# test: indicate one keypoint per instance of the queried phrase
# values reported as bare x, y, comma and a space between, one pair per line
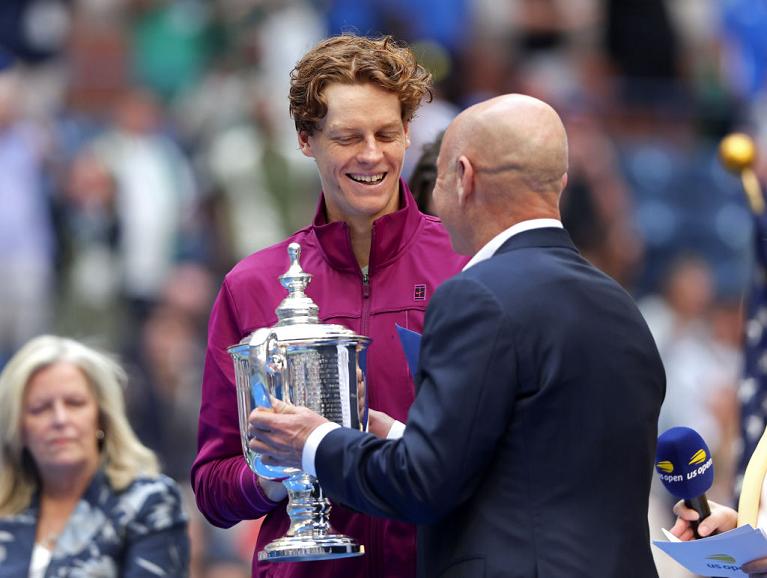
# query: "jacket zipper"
365, 303
374, 533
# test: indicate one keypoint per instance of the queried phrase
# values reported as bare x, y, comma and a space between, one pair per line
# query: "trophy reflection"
302, 362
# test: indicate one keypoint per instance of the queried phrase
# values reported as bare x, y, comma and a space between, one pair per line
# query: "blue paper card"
720, 555
411, 344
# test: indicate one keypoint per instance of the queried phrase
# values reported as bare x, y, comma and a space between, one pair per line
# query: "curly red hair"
352, 59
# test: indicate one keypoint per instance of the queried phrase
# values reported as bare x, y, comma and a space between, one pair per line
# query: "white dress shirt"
398, 428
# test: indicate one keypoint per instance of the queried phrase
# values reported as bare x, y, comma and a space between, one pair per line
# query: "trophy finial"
297, 307
294, 252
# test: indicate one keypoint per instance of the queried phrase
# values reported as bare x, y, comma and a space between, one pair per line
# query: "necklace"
49, 540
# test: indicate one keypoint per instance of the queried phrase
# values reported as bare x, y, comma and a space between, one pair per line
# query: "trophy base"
304, 549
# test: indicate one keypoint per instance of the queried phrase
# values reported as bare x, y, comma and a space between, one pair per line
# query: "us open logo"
419, 292
698, 457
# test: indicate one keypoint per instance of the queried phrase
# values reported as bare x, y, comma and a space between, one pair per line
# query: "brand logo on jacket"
419, 292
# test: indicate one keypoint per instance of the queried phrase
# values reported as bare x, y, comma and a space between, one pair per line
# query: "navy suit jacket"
529, 449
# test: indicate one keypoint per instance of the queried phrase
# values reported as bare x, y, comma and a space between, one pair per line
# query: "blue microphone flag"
684, 464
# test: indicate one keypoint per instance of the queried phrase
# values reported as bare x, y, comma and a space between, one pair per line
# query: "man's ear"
407, 134
303, 143
465, 180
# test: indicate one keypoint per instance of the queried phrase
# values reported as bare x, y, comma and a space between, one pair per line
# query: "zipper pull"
365, 285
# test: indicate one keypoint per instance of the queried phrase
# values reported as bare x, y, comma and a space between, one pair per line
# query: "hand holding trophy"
303, 362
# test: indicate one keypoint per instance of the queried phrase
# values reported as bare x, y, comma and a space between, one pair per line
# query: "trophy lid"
297, 307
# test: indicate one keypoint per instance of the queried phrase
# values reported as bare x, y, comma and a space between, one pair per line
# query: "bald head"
502, 161
514, 141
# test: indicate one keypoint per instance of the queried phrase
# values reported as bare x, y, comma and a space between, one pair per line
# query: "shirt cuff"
396, 431
311, 445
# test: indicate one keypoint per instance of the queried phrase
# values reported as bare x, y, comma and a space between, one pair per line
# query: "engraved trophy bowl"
302, 362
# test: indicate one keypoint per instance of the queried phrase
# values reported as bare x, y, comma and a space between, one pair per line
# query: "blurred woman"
80, 496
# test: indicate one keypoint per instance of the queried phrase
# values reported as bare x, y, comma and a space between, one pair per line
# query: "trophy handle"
274, 364
270, 364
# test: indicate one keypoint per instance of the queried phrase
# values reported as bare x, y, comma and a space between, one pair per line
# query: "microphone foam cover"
683, 462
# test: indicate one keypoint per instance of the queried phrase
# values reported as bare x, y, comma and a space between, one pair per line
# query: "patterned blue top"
139, 531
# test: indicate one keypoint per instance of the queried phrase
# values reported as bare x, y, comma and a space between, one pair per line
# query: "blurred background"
146, 146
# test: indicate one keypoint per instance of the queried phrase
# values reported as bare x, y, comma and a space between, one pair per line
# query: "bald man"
528, 451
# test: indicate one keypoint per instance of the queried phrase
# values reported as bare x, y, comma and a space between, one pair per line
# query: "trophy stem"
310, 536
308, 508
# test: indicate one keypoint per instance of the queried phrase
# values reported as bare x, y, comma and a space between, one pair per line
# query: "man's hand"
279, 434
721, 519
379, 423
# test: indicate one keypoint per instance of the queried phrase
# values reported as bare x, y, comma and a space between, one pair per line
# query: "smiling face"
60, 420
359, 147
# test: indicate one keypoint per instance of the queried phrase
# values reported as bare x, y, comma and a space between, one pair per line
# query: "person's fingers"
721, 519
269, 460
684, 512
680, 527
706, 528
756, 567
278, 405
262, 419
685, 534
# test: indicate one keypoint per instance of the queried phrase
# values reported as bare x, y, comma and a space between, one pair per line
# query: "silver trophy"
302, 362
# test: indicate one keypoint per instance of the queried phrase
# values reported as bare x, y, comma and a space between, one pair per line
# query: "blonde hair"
123, 456
351, 59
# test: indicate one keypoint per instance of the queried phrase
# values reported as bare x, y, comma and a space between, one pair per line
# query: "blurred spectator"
157, 197
79, 494
172, 43
170, 363
701, 367
642, 44
26, 230
440, 21
89, 296
424, 175
283, 30
596, 205
215, 552
432, 119
248, 215
167, 363
97, 59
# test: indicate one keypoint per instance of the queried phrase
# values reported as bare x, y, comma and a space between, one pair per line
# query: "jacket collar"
391, 234
547, 237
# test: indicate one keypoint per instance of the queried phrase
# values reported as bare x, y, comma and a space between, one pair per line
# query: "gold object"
738, 154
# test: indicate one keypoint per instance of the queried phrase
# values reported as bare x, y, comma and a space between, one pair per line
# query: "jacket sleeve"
467, 383
226, 490
157, 538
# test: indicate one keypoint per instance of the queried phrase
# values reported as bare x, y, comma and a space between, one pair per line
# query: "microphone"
685, 467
